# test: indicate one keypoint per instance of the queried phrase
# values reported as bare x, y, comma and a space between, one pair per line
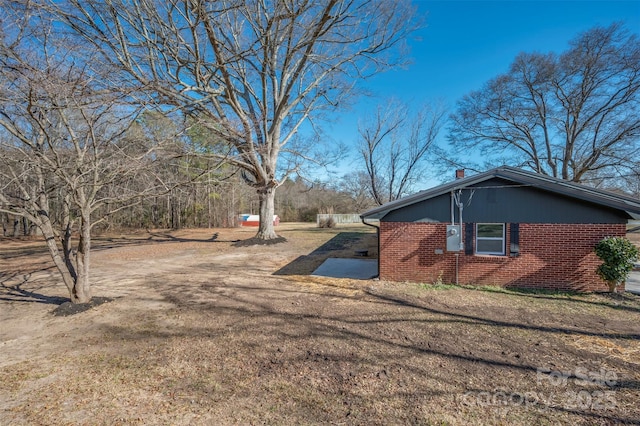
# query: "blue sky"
466, 43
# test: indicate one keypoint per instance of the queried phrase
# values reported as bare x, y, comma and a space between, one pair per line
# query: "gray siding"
500, 201
433, 210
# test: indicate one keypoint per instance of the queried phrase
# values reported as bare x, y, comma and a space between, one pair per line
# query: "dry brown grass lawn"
202, 330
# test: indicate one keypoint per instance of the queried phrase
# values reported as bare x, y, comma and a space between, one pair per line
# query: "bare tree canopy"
252, 71
394, 146
575, 116
65, 144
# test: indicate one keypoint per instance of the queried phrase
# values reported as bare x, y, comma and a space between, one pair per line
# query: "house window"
490, 238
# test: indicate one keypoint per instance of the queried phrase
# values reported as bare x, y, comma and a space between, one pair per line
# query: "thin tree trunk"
169, 213
208, 192
81, 292
58, 260
67, 225
16, 227
232, 212
26, 229
75, 278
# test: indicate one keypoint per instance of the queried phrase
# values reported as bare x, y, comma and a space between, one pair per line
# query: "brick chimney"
459, 173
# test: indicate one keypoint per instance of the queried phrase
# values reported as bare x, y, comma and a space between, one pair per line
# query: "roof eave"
547, 183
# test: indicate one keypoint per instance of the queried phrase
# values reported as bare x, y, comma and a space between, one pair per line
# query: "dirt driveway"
204, 330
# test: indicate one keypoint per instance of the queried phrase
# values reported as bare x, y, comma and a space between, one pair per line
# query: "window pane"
489, 246
490, 230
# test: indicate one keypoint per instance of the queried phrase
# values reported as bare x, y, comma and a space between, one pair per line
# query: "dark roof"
547, 183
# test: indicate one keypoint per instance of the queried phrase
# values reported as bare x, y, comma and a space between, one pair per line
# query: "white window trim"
503, 239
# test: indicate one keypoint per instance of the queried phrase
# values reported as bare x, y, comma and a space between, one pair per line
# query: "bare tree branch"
573, 116
394, 147
255, 71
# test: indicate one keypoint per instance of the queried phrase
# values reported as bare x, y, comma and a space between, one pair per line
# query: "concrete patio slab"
360, 269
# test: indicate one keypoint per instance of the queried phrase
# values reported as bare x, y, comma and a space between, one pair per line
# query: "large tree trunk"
266, 230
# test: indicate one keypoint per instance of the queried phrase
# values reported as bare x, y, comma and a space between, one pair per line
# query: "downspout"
457, 261
378, 235
453, 222
460, 207
457, 199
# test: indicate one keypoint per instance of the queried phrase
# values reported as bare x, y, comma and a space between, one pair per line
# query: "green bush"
618, 255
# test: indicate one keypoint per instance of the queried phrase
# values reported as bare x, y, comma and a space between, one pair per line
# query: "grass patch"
439, 286
508, 290
528, 291
217, 338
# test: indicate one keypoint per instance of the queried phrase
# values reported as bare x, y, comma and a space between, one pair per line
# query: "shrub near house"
618, 256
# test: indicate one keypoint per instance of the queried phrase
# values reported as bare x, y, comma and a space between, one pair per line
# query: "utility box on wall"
454, 238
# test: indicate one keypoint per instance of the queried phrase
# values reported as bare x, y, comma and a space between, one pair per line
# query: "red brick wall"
552, 256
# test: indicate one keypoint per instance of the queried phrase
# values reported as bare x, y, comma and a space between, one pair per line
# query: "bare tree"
63, 141
394, 147
252, 71
356, 186
574, 116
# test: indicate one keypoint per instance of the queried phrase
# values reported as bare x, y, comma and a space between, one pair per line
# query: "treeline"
204, 204
209, 203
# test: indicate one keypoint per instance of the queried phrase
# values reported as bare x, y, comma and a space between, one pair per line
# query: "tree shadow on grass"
15, 293
258, 242
343, 245
105, 243
165, 236
278, 338
17, 252
561, 329
619, 301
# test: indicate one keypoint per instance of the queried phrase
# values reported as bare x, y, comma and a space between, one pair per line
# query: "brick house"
504, 227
